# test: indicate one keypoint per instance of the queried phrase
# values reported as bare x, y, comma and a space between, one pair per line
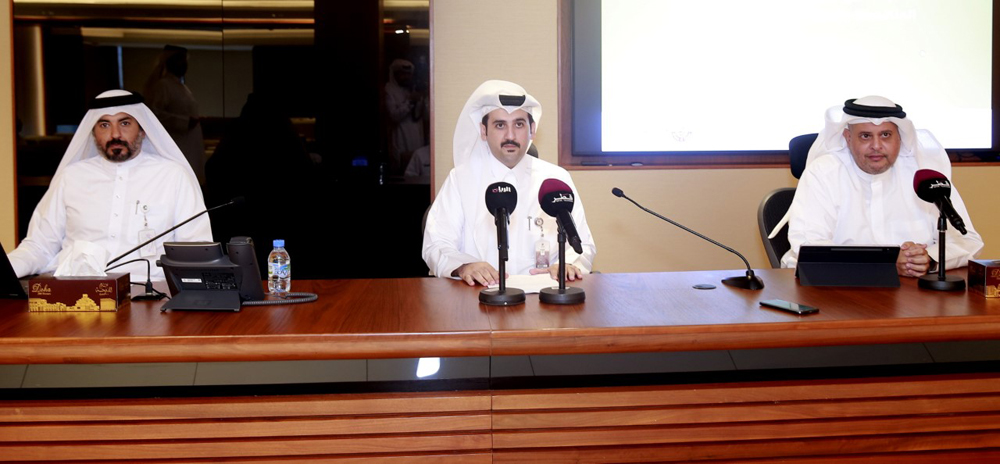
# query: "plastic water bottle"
279, 270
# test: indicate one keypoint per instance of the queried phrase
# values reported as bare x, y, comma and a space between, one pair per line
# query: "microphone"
238, 201
501, 199
556, 199
933, 187
750, 281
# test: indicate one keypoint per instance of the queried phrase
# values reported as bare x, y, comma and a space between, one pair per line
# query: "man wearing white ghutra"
121, 181
493, 134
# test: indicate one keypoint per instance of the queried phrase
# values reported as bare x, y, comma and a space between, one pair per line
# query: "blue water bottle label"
280, 270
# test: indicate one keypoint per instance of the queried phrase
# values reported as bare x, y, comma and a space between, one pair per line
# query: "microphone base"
149, 297
494, 297
949, 284
747, 282
553, 295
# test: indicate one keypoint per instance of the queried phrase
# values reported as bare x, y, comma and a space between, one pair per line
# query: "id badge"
542, 254
541, 247
148, 251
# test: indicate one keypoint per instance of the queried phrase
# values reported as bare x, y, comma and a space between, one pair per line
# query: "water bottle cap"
279, 243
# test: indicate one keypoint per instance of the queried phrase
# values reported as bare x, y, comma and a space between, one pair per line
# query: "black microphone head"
555, 196
500, 195
618, 192
931, 186
238, 201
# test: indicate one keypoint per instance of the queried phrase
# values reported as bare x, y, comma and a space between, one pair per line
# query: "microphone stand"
747, 282
947, 283
502, 296
147, 242
561, 294
151, 294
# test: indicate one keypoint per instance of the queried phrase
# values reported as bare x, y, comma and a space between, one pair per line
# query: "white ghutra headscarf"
156, 143
491, 95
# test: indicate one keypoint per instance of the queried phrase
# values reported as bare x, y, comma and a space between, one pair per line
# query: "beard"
118, 150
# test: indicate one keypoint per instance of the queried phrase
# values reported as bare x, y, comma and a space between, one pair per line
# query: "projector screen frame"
571, 158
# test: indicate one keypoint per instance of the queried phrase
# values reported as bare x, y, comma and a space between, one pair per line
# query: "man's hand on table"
913, 260
481, 273
572, 272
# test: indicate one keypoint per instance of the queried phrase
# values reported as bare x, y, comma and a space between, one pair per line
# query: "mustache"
115, 142
510, 142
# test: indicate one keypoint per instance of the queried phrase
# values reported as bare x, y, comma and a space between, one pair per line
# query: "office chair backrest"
798, 150
772, 209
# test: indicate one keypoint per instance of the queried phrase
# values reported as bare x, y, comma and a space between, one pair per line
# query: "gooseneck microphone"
557, 199
238, 201
749, 282
501, 199
933, 187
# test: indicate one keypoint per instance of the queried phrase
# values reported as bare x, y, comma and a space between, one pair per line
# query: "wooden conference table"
814, 417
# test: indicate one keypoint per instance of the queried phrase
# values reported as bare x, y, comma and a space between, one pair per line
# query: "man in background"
406, 108
174, 105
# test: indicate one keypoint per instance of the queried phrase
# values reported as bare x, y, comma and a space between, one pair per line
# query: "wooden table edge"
90, 350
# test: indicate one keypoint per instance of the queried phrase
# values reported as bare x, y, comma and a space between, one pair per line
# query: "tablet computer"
848, 266
10, 286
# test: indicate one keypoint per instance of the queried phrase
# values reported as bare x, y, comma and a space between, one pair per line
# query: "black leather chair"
775, 204
772, 209
798, 148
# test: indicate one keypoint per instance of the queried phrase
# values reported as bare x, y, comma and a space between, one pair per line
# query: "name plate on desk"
848, 266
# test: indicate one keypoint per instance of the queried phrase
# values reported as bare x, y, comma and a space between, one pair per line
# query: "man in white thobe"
493, 134
857, 189
121, 181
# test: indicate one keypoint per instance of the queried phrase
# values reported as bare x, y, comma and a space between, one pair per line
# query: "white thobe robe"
460, 229
102, 202
836, 203
406, 133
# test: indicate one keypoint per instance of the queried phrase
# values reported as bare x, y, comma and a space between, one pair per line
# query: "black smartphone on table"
793, 308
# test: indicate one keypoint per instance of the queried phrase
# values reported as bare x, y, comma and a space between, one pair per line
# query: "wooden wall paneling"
896, 447
449, 458
241, 407
778, 410
748, 420
617, 397
932, 457
373, 426
179, 430
212, 448
427, 458
771, 430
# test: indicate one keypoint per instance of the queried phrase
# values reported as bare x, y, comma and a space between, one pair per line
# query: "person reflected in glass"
406, 108
173, 103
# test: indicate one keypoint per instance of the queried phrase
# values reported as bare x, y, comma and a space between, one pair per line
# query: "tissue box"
49, 293
984, 277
